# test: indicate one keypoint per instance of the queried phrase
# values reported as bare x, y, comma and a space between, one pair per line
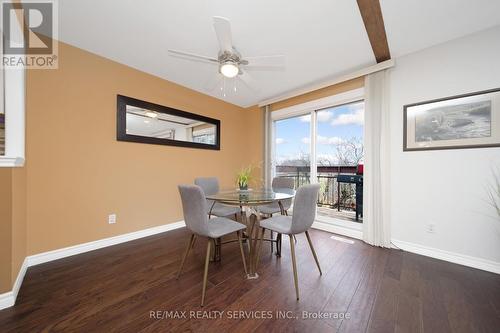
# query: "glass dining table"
249, 202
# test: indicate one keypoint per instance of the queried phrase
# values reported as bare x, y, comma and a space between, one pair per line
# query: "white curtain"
376, 196
268, 146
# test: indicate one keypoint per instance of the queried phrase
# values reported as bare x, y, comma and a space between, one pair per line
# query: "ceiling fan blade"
213, 82
192, 56
223, 31
266, 68
249, 82
268, 61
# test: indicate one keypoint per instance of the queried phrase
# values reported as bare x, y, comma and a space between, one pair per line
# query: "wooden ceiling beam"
374, 24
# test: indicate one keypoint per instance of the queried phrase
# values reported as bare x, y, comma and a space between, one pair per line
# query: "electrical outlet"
431, 228
112, 218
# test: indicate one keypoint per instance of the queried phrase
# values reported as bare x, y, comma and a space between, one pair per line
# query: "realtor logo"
29, 34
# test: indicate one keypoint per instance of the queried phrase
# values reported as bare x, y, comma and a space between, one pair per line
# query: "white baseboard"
98, 244
8, 299
337, 229
456, 258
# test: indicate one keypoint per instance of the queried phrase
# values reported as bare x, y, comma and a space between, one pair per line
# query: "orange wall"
77, 173
255, 144
5, 229
19, 231
320, 93
12, 224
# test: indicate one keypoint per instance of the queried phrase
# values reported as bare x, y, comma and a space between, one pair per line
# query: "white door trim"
318, 104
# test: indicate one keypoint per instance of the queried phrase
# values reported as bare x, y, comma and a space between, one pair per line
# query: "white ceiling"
412, 25
320, 39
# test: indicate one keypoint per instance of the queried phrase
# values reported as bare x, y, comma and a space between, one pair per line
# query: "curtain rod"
346, 77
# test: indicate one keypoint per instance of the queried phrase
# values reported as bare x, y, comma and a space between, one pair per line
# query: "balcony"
335, 200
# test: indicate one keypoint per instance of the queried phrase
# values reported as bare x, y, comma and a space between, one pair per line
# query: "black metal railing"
332, 194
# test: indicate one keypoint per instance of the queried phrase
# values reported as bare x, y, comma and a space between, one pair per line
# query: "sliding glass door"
325, 146
339, 159
292, 149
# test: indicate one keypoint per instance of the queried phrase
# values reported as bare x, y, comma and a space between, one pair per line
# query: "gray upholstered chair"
210, 185
194, 207
304, 211
274, 208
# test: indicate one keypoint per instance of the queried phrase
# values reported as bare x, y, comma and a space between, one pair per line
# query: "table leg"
250, 226
253, 239
282, 210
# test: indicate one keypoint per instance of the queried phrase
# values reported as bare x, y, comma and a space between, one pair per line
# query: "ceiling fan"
230, 62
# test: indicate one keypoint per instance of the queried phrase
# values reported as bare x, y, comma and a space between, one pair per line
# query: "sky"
334, 125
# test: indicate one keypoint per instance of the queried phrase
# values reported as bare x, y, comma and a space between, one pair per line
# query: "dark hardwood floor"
380, 290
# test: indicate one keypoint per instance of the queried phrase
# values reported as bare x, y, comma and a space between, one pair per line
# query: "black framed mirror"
145, 122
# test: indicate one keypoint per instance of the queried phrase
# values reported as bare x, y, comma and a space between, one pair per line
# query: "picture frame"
456, 122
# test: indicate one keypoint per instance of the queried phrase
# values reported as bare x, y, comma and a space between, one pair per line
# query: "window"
292, 149
12, 117
322, 142
339, 151
204, 138
204, 134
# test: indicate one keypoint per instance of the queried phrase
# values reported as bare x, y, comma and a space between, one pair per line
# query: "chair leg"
218, 249
205, 274
242, 252
278, 245
194, 241
189, 246
236, 217
272, 236
259, 248
294, 263
313, 252
272, 243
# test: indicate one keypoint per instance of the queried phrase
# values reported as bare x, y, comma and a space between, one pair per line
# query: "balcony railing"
332, 194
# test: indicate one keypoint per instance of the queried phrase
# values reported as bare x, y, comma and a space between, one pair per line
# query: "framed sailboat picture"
457, 122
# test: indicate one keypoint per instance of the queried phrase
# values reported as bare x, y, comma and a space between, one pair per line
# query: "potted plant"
243, 178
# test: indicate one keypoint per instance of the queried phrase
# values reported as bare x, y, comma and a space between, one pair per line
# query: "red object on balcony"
360, 169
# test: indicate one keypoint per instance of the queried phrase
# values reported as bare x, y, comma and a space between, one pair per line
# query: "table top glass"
252, 196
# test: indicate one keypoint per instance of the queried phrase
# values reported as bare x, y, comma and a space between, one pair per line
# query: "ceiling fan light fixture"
229, 69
